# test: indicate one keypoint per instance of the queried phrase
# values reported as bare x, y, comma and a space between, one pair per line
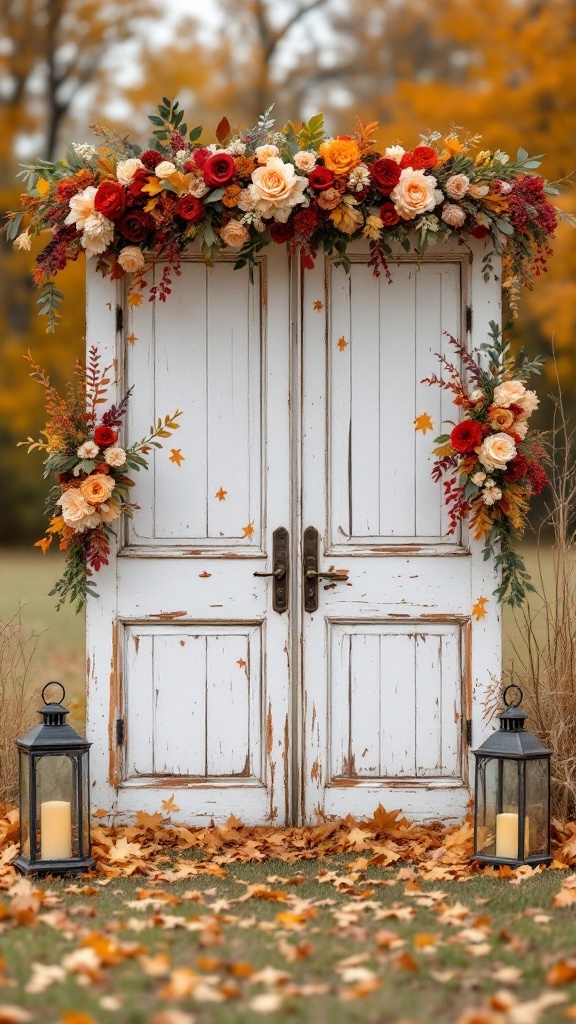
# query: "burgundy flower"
110, 199
305, 221
537, 476
479, 231
151, 158
134, 225
218, 169
388, 215
104, 437
385, 174
320, 178
191, 209
134, 189
516, 469
466, 436
282, 232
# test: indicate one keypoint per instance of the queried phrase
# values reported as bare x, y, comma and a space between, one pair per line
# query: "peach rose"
305, 160
496, 451
77, 513
263, 153
234, 234
499, 418
347, 218
97, 488
414, 193
457, 185
329, 199
131, 258
340, 155
453, 215
126, 169
511, 392
277, 189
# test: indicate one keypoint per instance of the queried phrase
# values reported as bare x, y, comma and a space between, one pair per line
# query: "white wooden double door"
299, 397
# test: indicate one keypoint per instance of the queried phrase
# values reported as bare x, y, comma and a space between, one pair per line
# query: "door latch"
280, 561
311, 572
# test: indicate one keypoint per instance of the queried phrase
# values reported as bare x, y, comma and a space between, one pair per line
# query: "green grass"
435, 988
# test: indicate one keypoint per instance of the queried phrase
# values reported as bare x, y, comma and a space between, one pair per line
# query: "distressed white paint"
282, 717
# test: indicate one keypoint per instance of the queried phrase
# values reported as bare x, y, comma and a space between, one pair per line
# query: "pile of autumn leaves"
436, 851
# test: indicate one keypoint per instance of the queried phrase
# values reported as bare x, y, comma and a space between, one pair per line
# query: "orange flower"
340, 155
500, 419
97, 488
231, 195
84, 178
244, 165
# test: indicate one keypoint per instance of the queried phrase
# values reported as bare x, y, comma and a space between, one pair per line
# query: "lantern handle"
510, 702
53, 683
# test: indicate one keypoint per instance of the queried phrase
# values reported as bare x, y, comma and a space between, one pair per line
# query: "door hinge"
469, 731
119, 319
119, 731
468, 318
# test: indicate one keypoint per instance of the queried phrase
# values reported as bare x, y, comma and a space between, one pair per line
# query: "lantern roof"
53, 732
512, 739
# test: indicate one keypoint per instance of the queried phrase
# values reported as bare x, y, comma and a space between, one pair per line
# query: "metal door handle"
280, 561
311, 572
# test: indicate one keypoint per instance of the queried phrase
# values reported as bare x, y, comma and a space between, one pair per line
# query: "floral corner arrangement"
129, 207
93, 488
492, 462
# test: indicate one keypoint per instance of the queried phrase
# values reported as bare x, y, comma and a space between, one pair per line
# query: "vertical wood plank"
339, 407
227, 704
138, 701
453, 714
452, 287
340, 668
366, 439
140, 373
428, 341
398, 674
428, 704
179, 704
365, 709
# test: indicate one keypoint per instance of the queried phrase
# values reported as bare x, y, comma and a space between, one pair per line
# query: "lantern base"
510, 862
53, 867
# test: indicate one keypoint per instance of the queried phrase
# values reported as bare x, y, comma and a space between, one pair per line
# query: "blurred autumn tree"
503, 68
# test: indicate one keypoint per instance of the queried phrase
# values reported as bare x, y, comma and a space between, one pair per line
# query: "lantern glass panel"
486, 798
85, 837
57, 806
508, 786
25, 803
537, 806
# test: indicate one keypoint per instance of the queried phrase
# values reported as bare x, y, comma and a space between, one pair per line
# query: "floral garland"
129, 207
92, 489
493, 462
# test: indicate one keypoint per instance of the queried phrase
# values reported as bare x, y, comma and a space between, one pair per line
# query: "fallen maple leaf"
123, 851
266, 1002
173, 1017
169, 805
10, 1014
561, 973
479, 609
423, 422
76, 1017
176, 456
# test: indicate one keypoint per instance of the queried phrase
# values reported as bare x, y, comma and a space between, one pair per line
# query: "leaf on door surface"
221, 494
479, 608
241, 663
423, 422
131, 339
176, 456
248, 530
135, 299
169, 806
341, 343
318, 304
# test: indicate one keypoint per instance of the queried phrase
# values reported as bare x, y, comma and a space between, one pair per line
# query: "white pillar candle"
55, 830
507, 836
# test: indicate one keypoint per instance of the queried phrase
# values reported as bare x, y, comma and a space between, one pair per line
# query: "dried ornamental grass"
17, 648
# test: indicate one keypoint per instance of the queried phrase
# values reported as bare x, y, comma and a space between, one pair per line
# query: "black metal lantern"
54, 796
512, 797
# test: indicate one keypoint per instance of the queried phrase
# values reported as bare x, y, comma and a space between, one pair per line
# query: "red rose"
320, 179
200, 155
191, 209
110, 199
281, 232
388, 215
516, 468
537, 476
479, 231
105, 436
218, 169
423, 157
385, 174
466, 436
151, 158
134, 190
305, 221
134, 225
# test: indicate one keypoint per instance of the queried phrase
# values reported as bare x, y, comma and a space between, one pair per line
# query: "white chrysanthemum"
198, 187
81, 207
305, 160
98, 234
88, 450
77, 512
84, 150
115, 456
126, 170
236, 148
395, 153
359, 178
529, 402
164, 169
476, 396
247, 201
478, 478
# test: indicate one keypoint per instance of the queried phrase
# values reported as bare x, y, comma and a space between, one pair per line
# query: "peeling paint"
136, 639
169, 615
286, 759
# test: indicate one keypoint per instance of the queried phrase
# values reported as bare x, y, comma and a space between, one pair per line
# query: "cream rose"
457, 185
529, 402
414, 193
478, 191
453, 215
264, 153
164, 169
81, 207
126, 170
131, 259
115, 456
329, 199
88, 450
496, 451
277, 189
77, 512
98, 233
305, 160
511, 392
395, 153
476, 396
97, 488
234, 234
